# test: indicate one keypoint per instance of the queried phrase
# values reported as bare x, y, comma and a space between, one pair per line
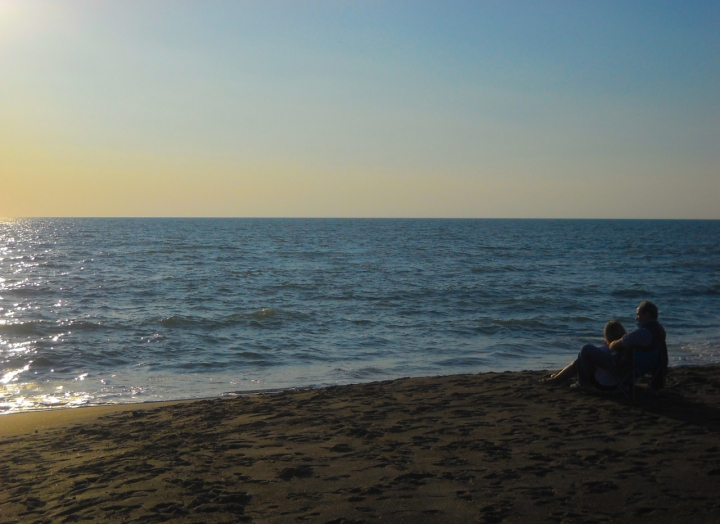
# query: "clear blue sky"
468, 109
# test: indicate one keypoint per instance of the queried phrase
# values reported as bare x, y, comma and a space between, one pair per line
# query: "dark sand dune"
471, 448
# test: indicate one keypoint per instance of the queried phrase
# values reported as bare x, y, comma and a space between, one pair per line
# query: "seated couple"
601, 367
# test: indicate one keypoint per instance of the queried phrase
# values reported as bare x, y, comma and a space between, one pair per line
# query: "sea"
109, 311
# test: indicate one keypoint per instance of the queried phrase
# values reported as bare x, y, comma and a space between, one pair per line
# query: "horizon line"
200, 217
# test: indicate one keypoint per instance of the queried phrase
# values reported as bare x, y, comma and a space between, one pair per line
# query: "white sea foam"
693, 353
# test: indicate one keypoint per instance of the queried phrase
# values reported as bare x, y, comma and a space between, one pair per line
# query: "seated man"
648, 337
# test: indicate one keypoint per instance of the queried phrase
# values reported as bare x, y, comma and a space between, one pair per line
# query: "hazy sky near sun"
370, 108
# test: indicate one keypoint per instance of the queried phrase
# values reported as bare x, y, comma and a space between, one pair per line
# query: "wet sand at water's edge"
489, 448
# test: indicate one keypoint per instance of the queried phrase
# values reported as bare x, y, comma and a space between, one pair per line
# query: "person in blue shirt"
649, 336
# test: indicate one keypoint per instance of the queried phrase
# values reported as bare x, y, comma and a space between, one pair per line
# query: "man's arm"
640, 338
617, 345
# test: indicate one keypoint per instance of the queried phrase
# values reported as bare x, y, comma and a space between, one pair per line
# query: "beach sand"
495, 447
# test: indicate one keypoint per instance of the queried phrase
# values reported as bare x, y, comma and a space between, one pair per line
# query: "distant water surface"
96, 311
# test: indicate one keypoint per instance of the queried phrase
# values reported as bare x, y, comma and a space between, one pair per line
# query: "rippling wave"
126, 310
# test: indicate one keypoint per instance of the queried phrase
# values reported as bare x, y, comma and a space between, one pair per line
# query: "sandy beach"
489, 448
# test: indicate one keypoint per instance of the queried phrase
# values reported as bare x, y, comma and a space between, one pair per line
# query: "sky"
523, 109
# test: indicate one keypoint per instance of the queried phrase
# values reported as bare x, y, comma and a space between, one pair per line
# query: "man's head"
613, 331
646, 311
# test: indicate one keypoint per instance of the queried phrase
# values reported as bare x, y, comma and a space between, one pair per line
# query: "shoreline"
241, 393
487, 448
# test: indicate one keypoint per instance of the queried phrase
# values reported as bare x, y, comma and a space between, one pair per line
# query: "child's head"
613, 331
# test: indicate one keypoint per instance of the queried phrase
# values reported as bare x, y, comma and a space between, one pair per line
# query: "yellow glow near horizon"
41, 181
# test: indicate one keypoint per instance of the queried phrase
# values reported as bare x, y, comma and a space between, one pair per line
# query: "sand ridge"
487, 448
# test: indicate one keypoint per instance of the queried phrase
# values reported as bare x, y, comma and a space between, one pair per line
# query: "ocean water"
97, 311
